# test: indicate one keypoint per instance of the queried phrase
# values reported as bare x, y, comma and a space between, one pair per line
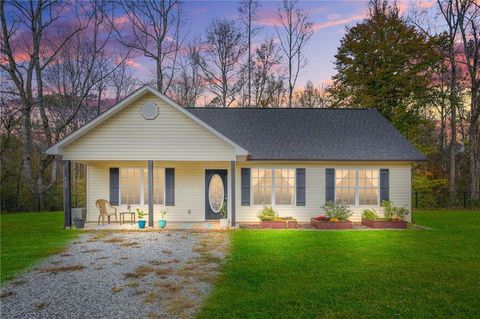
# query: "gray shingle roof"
311, 134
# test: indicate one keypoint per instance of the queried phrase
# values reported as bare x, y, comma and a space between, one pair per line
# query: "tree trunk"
26, 145
474, 147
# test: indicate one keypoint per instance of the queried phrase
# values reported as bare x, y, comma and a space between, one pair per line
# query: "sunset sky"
329, 17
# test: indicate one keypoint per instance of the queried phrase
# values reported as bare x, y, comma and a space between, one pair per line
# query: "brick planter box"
379, 224
330, 225
281, 224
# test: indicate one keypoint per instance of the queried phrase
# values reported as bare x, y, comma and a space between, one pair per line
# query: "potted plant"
269, 219
336, 217
224, 215
141, 220
78, 216
162, 223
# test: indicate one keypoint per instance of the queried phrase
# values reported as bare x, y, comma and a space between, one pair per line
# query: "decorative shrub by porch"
269, 219
337, 211
394, 217
336, 217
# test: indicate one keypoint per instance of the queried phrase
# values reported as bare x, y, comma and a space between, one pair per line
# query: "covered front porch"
194, 194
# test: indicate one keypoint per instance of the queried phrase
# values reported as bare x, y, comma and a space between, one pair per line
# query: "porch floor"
208, 225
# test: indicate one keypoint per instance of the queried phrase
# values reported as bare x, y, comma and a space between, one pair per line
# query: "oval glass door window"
216, 193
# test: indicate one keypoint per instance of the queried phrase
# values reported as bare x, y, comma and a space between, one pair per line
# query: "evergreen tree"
386, 64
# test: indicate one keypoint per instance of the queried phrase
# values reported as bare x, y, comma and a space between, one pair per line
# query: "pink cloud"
426, 4
337, 22
132, 63
120, 20
268, 18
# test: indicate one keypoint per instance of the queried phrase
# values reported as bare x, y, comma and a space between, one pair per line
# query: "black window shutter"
114, 186
300, 183
384, 185
245, 186
329, 184
169, 186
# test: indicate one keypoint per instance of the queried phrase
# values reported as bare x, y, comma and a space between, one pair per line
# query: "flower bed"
321, 224
279, 224
384, 223
269, 219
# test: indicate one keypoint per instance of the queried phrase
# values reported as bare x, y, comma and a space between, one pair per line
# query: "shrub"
140, 213
401, 213
369, 214
337, 210
391, 212
267, 214
223, 210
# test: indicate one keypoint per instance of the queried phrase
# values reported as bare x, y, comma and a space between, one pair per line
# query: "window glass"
357, 187
130, 186
134, 186
368, 181
261, 186
284, 186
345, 186
216, 193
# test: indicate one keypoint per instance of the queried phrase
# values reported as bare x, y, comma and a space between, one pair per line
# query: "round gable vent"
149, 111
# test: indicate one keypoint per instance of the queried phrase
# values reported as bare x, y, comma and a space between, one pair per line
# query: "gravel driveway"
120, 275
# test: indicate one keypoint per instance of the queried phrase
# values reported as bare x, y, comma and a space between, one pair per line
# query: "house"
149, 152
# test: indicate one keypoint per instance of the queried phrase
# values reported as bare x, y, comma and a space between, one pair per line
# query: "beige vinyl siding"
400, 189
170, 136
189, 188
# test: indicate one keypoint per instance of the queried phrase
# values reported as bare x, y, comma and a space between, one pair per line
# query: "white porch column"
67, 201
232, 170
150, 193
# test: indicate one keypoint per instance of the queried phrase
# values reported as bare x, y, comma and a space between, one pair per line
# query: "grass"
26, 238
354, 274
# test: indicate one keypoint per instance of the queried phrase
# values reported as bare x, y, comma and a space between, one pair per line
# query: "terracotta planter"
331, 225
280, 224
379, 224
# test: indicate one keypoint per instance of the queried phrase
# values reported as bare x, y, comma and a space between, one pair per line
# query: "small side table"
122, 217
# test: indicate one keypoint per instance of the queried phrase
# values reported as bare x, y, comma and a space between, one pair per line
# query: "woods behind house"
64, 62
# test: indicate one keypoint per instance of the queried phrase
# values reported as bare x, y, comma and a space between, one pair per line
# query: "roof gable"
57, 147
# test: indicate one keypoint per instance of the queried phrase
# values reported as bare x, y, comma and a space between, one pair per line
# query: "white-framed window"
262, 186
134, 186
284, 186
273, 186
357, 186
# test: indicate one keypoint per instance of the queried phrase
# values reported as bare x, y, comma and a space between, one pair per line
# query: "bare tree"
220, 61
248, 15
311, 96
294, 32
123, 82
27, 53
468, 12
268, 77
154, 30
447, 9
82, 67
189, 84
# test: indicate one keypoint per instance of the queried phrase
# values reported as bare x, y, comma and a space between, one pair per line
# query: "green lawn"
26, 238
351, 274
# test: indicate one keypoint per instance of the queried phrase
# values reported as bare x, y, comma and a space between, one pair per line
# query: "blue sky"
329, 18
